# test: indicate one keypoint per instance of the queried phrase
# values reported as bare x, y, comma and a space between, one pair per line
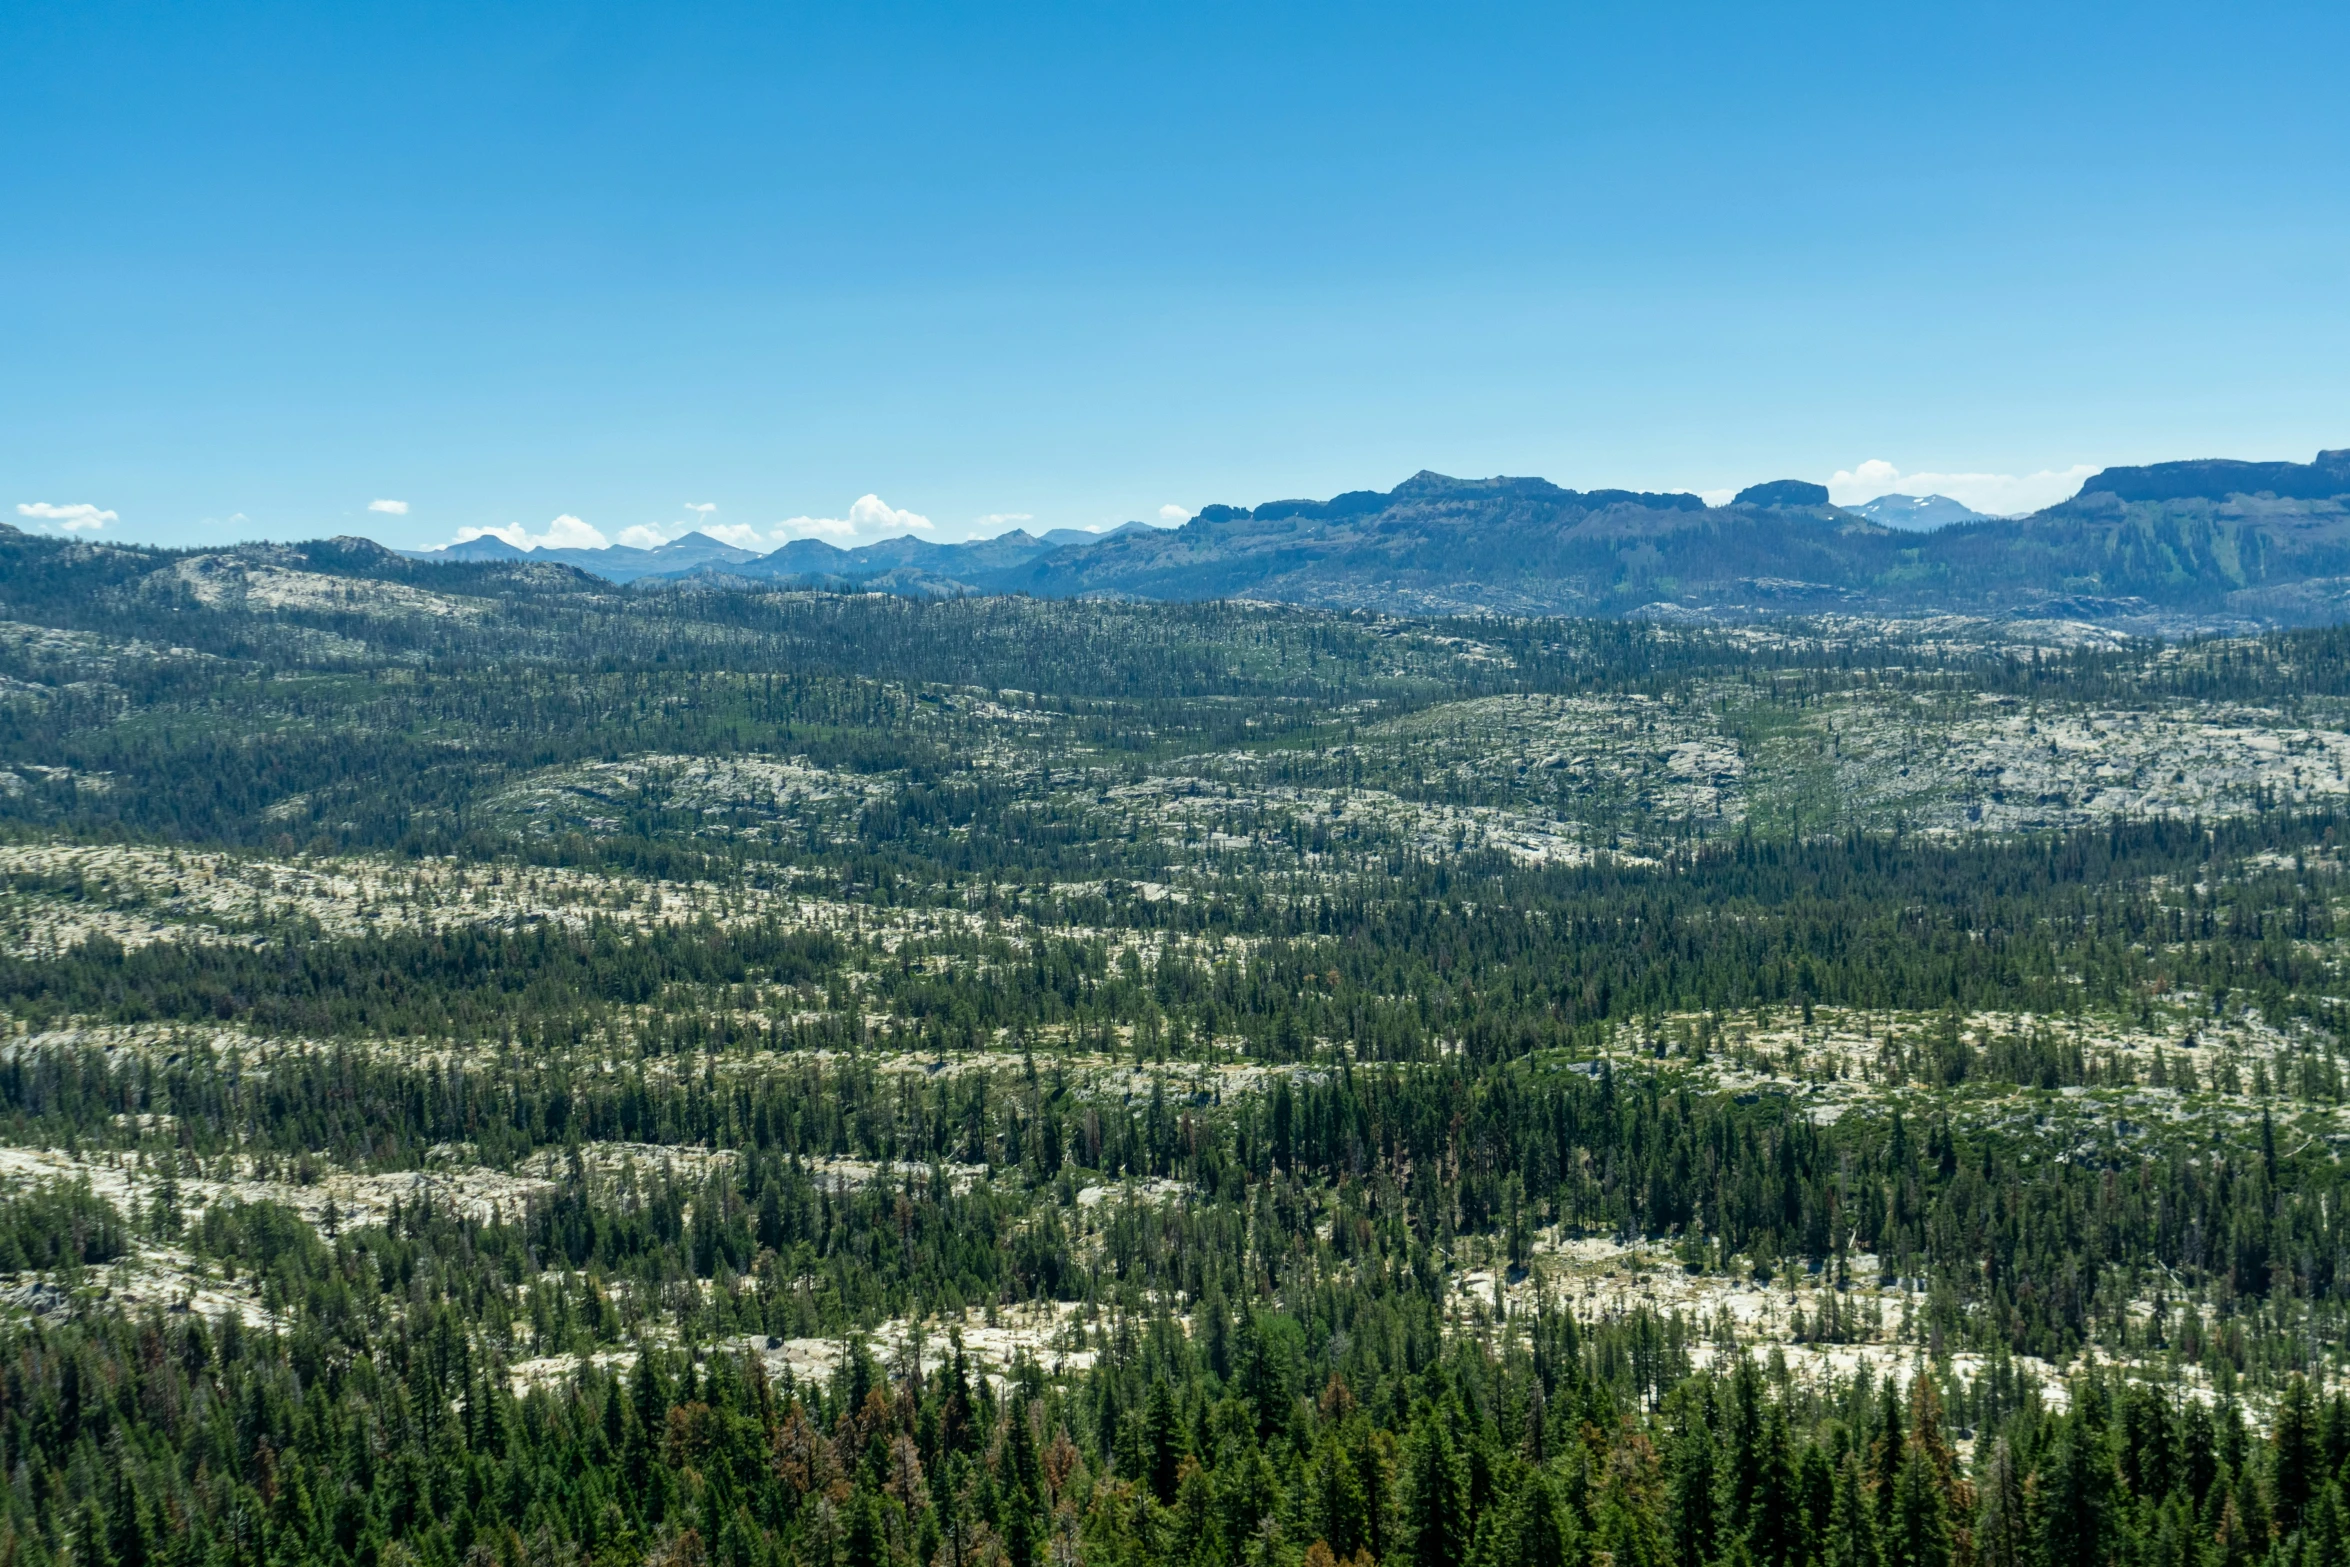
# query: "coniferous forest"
504, 1068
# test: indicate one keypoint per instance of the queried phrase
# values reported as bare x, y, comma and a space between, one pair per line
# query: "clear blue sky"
262, 265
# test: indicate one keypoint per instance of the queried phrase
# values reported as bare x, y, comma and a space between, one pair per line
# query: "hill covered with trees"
505, 1067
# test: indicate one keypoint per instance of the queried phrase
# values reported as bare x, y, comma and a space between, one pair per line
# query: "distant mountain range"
620, 563
1917, 513
2188, 542
2163, 548
2213, 542
902, 564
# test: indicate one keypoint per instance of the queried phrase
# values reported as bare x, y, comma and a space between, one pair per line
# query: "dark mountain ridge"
2215, 478
2166, 547
2216, 542
2179, 540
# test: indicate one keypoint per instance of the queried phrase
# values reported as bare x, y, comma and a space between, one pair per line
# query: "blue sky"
1064, 266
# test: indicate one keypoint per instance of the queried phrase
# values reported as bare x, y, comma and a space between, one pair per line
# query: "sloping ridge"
1436, 543
2217, 478
2262, 541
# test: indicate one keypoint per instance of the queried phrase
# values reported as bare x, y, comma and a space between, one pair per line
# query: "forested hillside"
506, 1068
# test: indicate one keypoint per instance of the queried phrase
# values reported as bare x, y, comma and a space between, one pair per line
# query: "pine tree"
1775, 1525
129, 1522
865, 1542
2299, 1458
1538, 1533
1815, 1492
1340, 1506
1852, 1526
1263, 1376
1373, 1452
2198, 1451
2233, 1544
2251, 1504
1021, 1499
1695, 1536
1885, 1452
90, 1535
2324, 1537
2002, 1537
2336, 1439
1921, 1535
2148, 1463
2177, 1535
1436, 1527
1741, 1457
2076, 1493
1164, 1437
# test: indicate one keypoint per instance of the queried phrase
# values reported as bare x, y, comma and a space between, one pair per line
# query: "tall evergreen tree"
1852, 1526
1742, 1447
865, 1541
1436, 1529
1693, 1482
2077, 1493
2299, 1457
1775, 1532
2002, 1532
1921, 1533
1887, 1448
1539, 1528
1164, 1437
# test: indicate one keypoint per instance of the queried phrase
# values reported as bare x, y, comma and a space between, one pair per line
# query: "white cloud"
1717, 497
1871, 479
564, 533
569, 533
2000, 494
869, 518
833, 528
390, 508
652, 535
82, 517
1173, 514
1000, 520
870, 514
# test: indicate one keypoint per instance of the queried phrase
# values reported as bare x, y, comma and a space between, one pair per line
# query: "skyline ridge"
570, 532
